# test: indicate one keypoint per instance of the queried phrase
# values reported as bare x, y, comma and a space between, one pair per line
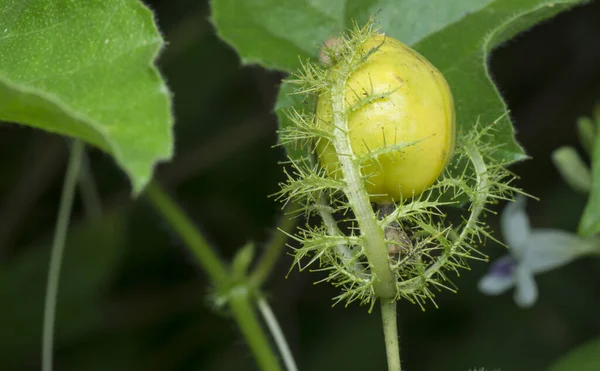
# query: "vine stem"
390, 331
343, 251
179, 221
275, 247
245, 316
58, 248
358, 197
278, 336
375, 248
239, 296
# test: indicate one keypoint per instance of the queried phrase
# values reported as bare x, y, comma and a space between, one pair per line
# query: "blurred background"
132, 298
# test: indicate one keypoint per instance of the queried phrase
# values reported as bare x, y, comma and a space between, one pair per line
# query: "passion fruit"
393, 98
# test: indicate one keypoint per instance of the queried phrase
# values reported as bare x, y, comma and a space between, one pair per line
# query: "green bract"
383, 128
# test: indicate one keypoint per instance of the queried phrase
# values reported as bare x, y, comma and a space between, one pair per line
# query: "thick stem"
358, 197
58, 248
239, 296
209, 261
245, 316
390, 331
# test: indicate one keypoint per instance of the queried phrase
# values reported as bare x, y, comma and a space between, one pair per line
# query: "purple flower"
532, 251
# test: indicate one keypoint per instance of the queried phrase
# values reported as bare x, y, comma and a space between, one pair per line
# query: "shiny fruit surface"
395, 97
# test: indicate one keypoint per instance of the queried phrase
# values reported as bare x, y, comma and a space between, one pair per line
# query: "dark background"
132, 298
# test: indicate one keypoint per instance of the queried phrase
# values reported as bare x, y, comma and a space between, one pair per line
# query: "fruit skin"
418, 107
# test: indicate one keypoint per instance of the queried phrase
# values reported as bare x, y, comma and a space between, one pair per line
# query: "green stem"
390, 331
245, 317
58, 248
274, 248
241, 306
343, 251
375, 247
278, 336
206, 257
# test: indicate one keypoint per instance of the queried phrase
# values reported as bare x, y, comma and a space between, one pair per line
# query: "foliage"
84, 69
584, 357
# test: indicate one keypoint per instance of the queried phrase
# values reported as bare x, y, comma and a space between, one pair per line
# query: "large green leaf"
461, 52
84, 69
275, 33
456, 36
584, 358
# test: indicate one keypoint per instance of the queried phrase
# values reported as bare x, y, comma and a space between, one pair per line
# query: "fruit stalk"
358, 198
390, 331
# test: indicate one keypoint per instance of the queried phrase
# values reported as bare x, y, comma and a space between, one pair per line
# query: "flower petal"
496, 282
547, 249
526, 293
504, 266
515, 226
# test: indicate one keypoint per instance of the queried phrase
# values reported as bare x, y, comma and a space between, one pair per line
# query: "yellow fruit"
419, 107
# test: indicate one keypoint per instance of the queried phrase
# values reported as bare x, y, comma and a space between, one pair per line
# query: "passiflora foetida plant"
381, 161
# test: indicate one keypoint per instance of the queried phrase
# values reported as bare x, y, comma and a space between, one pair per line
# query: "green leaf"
283, 31
462, 49
456, 36
583, 358
586, 133
241, 261
573, 169
84, 69
93, 253
590, 220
